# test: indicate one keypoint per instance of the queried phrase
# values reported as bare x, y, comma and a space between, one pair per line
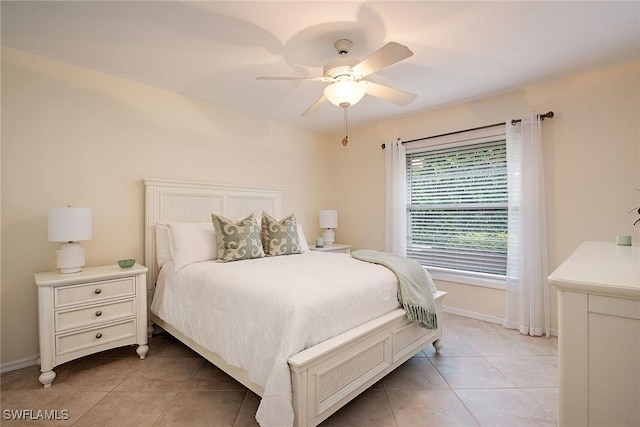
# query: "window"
457, 204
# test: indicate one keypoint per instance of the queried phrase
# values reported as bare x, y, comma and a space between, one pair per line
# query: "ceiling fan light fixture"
345, 92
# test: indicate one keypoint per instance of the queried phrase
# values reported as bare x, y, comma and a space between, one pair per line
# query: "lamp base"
329, 237
70, 257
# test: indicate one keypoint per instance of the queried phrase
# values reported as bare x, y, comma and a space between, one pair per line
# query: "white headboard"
181, 201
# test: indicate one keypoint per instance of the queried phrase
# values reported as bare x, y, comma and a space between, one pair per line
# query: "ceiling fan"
346, 77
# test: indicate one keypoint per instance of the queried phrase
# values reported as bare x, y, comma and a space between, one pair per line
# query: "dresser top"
601, 267
105, 272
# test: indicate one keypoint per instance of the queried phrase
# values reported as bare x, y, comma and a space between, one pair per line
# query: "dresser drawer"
621, 307
94, 291
87, 338
95, 314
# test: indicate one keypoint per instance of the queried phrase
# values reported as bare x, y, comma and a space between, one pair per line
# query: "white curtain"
395, 198
527, 299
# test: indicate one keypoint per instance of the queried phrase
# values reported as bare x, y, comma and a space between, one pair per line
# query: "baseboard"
484, 317
473, 315
19, 364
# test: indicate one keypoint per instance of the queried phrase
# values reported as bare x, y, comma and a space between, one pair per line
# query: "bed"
322, 371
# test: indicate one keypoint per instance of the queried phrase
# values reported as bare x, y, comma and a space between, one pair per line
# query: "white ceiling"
214, 50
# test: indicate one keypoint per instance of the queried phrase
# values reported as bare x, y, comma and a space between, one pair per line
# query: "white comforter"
257, 313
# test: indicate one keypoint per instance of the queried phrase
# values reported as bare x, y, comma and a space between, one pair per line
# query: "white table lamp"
69, 225
328, 221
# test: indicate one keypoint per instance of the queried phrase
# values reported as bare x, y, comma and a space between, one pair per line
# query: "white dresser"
599, 336
83, 313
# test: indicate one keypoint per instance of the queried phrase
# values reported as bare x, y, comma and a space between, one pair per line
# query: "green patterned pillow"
280, 237
237, 240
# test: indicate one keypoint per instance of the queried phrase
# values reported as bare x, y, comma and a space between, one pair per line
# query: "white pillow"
304, 246
192, 242
163, 245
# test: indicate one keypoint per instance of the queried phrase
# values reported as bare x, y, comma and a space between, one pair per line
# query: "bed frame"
324, 377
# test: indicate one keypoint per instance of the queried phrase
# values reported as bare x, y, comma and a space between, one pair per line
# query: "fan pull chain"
345, 140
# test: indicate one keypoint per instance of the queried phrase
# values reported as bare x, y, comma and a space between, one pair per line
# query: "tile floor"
485, 376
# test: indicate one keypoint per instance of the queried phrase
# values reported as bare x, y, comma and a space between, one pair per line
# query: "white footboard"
330, 374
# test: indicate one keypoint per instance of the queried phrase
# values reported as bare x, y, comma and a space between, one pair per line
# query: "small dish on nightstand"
126, 263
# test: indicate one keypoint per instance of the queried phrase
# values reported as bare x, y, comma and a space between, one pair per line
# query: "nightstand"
336, 247
94, 310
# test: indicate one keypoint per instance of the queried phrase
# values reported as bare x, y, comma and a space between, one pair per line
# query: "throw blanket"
414, 285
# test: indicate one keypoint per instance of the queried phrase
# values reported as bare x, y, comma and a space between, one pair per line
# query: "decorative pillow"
280, 237
191, 242
163, 247
237, 240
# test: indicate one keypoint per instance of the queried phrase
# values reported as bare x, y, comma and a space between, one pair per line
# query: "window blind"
457, 206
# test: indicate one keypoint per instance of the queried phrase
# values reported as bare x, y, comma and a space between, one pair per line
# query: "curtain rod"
548, 115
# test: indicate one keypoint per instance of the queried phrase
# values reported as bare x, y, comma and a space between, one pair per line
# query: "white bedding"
257, 313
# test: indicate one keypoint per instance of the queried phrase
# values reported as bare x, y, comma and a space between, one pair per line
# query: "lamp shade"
328, 219
345, 92
70, 224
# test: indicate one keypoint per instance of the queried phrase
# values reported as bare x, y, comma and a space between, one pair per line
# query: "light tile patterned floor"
485, 376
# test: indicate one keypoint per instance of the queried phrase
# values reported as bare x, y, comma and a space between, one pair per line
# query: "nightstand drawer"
94, 314
89, 338
94, 291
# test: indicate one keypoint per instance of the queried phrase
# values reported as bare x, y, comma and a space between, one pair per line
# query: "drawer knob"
98, 291
98, 313
99, 335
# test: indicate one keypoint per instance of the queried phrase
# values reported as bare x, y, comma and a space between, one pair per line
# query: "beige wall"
73, 136
591, 154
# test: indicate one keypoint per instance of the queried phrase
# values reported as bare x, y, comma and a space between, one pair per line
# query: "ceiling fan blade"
292, 78
316, 106
387, 55
397, 96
